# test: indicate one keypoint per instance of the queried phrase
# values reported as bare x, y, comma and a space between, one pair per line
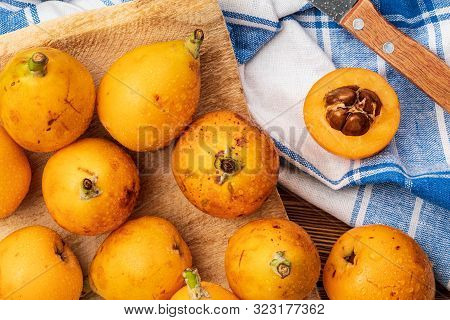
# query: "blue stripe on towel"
245, 17
248, 40
357, 206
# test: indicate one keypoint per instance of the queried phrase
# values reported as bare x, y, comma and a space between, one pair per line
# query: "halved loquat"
352, 112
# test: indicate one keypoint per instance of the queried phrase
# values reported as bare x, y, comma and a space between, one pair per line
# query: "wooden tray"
97, 38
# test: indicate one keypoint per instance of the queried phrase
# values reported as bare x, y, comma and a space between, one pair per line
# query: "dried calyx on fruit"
352, 110
89, 188
226, 166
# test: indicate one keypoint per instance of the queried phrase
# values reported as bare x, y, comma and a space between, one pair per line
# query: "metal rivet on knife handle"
423, 67
388, 47
358, 24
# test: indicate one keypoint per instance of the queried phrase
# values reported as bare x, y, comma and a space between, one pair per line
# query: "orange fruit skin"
215, 291
44, 114
388, 265
250, 251
118, 181
15, 175
36, 264
381, 132
193, 165
149, 95
144, 260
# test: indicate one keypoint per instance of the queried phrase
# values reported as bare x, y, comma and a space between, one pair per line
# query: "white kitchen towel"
284, 46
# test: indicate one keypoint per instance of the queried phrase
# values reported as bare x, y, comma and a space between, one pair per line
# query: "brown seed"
351, 109
336, 117
345, 95
357, 124
370, 98
353, 87
369, 107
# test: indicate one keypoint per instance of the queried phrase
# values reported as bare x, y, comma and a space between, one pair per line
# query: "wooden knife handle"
418, 64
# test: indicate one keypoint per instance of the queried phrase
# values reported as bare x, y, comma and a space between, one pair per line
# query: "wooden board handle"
418, 64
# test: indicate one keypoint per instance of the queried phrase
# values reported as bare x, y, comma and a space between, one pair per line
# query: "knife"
422, 67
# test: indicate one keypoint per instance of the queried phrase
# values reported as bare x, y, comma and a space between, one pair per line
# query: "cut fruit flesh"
382, 129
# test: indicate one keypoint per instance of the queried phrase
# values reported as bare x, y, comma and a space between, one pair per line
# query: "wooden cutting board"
97, 38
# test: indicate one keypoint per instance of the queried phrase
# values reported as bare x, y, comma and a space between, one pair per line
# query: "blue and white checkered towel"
283, 47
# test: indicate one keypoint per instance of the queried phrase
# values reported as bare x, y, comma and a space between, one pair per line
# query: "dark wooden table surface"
324, 229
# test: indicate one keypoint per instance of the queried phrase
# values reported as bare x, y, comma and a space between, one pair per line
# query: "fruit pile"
224, 165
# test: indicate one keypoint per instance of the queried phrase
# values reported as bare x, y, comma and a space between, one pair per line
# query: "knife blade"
421, 66
335, 9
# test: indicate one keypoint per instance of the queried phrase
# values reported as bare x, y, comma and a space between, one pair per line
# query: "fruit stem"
194, 42
280, 265
193, 283
38, 64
